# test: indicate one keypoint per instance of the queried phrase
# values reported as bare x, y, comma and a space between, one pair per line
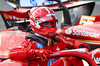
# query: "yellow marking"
66, 40
59, 8
65, 62
36, 50
14, 0
48, 42
55, 42
6, 16
40, 51
18, 5
7, 0
7, 52
27, 47
46, 4
89, 40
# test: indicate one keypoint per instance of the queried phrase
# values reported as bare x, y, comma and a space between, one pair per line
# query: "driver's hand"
43, 54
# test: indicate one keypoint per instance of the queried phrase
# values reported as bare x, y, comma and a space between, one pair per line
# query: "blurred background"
5, 7
91, 0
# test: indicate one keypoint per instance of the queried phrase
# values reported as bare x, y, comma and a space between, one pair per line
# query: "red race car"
70, 10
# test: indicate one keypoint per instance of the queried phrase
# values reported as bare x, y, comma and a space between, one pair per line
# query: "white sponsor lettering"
93, 56
85, 33
82, 33
22, 34
15, 18
11, 44
9, 23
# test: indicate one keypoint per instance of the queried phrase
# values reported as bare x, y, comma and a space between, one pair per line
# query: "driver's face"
49, 24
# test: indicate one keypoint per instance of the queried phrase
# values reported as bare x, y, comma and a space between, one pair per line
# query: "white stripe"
64, 61
47, 10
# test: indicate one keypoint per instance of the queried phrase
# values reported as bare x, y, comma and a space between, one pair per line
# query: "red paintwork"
13, 63
76, 52
10, 39
79, 53
85, 32
14, 15
95, 54
97, 18
87, 28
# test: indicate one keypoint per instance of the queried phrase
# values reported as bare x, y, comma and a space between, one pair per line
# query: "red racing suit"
57, 43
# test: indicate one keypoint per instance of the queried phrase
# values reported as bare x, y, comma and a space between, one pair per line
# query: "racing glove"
43, 54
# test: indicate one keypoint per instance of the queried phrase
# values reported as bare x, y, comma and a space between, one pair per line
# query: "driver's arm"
72, 43
22, 51
25, 51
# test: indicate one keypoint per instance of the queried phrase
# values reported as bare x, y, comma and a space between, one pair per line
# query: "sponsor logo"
12, 17
33, 2
82, 33
93, 56
39, 45
21, 34
51, 61
11, 44
50, 2
68, 31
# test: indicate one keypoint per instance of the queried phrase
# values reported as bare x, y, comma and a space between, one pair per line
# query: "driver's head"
43, 21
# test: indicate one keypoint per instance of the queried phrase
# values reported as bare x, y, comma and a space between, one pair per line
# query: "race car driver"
45, 41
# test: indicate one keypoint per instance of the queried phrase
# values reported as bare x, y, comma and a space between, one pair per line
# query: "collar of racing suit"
54, 39
41, 39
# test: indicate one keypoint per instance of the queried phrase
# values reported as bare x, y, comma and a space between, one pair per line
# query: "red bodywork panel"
10, 39
86, 33
95, 54
15, 15
77, 52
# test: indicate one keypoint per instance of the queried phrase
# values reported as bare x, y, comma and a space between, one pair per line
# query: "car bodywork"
20, 16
